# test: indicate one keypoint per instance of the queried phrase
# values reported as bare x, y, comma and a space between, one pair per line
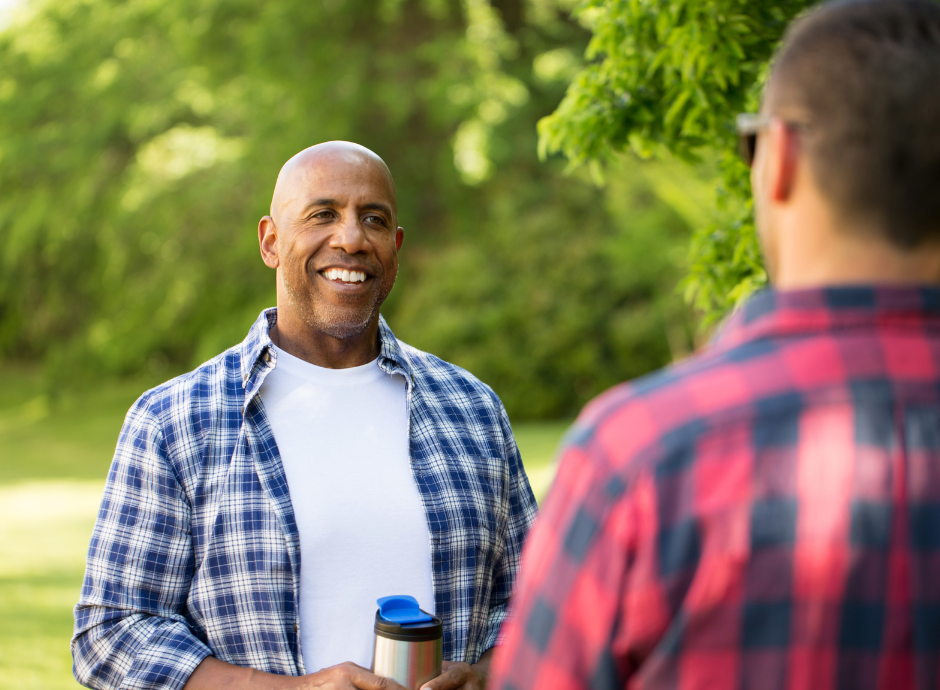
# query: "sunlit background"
139, 145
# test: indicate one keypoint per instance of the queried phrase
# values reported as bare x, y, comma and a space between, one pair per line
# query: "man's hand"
213, 674
456, 675
346, 676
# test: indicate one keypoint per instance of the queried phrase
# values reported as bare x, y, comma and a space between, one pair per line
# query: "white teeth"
344, 275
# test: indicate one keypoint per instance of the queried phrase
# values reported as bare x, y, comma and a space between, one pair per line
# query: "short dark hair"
865, 74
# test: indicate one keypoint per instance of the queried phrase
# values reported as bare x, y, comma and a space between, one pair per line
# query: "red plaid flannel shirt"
764, 515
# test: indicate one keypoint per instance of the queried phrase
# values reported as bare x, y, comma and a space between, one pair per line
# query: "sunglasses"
749, 126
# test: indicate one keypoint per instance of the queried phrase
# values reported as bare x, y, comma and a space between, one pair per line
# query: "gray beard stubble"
341, 324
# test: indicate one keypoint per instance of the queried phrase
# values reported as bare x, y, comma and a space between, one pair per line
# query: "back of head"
864, 78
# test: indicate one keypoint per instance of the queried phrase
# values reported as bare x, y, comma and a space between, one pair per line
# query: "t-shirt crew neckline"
364, 373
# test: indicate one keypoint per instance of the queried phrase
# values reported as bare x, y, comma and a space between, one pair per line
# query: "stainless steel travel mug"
408, 642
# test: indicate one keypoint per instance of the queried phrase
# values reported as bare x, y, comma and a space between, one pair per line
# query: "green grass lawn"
54, 456
45, 529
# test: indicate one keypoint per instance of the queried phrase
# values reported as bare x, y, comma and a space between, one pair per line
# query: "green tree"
140, 140
668, 78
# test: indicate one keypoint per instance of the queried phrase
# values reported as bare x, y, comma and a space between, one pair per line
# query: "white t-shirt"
343, 439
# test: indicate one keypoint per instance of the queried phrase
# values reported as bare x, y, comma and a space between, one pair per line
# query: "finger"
454, 676
365, 680
344, 664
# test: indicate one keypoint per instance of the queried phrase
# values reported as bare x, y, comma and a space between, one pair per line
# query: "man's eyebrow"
376, 206
320, 202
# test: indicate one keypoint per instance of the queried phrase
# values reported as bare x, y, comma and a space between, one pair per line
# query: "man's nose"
350, 236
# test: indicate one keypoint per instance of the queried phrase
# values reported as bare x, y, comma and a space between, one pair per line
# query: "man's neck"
817, 254
323, 350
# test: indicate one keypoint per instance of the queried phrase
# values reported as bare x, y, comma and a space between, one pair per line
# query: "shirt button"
296, 627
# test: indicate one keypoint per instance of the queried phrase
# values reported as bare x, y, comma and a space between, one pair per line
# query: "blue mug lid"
401, 609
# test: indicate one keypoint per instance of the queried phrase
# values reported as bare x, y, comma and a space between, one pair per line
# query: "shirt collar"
391, 357
777, 312
258, 355
257, 344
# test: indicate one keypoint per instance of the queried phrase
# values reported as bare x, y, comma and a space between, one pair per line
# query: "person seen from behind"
767, 513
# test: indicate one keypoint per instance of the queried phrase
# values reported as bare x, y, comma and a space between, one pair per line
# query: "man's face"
337, 242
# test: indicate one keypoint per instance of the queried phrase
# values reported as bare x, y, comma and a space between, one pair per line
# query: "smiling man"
258, 506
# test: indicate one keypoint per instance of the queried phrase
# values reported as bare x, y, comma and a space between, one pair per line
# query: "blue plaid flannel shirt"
195, 551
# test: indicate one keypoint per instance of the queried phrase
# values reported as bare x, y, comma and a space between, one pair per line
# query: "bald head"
300, 175
333, 238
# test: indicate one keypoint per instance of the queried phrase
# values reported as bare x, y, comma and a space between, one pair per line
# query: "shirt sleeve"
130, 631
522, 511
567, 628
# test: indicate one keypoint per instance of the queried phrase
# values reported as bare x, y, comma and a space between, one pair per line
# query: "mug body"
410, 663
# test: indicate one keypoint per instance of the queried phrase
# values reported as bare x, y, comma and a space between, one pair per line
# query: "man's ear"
783, 159
267, 239
399, 238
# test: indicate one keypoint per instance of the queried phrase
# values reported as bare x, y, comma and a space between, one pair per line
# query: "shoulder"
180, 416
666, 413
456, 414
206, 384
438, 377
216, 385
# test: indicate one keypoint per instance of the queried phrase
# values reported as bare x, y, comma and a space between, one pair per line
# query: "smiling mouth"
341, 275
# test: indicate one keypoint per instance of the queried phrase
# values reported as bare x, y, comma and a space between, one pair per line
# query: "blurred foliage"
140, 141
551, 302
670, 76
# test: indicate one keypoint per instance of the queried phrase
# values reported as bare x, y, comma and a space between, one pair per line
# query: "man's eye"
375, 219
323, 214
